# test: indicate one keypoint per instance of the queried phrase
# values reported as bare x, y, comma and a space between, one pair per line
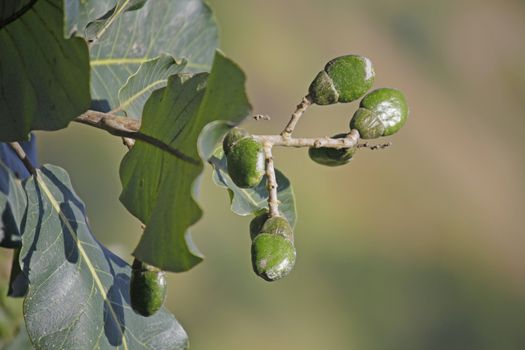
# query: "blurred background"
418, 246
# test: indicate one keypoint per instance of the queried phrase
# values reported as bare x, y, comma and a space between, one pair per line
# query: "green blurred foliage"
419, 246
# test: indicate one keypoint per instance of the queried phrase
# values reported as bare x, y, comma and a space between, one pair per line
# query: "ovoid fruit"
344, 79
273, 256
332, 156
273, 251
382, 112
147, 288
245, 158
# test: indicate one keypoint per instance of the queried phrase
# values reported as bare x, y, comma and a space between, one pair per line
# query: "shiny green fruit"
382, 113
232, 137
278, 225
273, 256
246, 162
257, 223
147, 288
344, 79
332, 156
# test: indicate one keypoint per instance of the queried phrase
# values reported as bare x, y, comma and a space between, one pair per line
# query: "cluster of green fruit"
381, 112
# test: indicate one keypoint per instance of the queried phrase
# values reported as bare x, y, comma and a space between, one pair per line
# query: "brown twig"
301, 107
375, 147
258, 117
349, 141
21, 154
271, 181
128, 128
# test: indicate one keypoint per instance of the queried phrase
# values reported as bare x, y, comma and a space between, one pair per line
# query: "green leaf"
250, 201
181, 28
13, 205
44, 78
157, 186
78, 14
78, 290
12, 9
151, 75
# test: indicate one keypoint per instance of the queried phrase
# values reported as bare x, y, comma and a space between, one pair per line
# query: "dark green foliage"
147, 288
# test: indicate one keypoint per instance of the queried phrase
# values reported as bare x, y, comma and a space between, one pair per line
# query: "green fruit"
382, 113
246, 162
147, 288
232, 137
257, 223
344, 79
332, 156
273, 256
278, 225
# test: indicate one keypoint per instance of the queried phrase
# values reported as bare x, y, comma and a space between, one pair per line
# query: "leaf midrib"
85, 256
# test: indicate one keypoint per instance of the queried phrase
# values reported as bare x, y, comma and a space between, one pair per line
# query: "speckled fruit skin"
332, 156
147, 288
246, 162
273, 256
344, 79
232, 137
278, 225
382, 112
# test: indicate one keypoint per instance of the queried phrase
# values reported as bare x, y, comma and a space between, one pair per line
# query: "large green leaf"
151, 75
157, 186
78, 294
79, 13
12, 9
44, 78
181, 28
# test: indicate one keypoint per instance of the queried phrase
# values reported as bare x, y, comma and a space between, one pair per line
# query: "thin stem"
271, 181
375, 147
349, 141
301, 107
21, 154
128, 128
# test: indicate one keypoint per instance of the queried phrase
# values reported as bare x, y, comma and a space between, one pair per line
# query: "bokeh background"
418, 246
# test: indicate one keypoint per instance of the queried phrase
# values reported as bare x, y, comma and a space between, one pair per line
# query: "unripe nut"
382, 112
246, 162
344, 79
278, 225
332, 156
232, 137
147, 288
273, 256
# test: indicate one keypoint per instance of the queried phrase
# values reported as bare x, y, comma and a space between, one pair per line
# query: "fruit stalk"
349, 141
301, 107
271, 181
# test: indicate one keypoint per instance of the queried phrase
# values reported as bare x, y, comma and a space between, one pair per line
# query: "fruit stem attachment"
21, 154
351, 140
301, 108
271, 181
